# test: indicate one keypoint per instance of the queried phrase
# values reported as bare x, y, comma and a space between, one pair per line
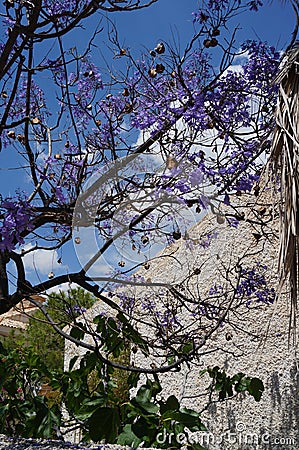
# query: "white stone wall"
255, 339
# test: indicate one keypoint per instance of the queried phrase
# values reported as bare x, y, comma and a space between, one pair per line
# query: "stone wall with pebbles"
255, 340
7, 443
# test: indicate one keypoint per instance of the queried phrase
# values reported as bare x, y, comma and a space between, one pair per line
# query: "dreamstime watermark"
240, 436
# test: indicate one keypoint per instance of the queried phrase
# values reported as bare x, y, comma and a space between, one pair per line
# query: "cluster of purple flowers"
127, 302
16, 218
63, 172
37, 106
64, 10
83, 84
75, 310
216, 290
253, 285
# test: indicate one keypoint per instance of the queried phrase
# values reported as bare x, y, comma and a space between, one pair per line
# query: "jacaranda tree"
122, 153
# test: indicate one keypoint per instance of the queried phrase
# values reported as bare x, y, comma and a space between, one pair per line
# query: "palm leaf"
284, 162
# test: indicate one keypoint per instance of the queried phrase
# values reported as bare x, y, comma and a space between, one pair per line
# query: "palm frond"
284, 162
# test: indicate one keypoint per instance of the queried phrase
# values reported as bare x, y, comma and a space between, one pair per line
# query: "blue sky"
168, 20
274, 23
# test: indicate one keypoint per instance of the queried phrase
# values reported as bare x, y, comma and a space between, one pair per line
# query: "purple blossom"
60, 195
76, 310
233, 222
16, 220
253, 284
196, 178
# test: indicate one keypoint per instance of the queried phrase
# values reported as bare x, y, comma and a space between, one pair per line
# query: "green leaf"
187, 347
147, 407
172, 404
142, 400
256, 388
243, 384
89, 406
77, 333
127, 437
104, 424
73, 362
171, 415
143, 429
51, 419
191, 419
132, 334
143, 394
133, 379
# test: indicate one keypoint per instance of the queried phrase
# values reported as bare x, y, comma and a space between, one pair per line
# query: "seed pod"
171, 162
213, 42
144, 239
256, 191
125, 92
51, 275
21, 138
220, 219
265, 109
262, 210
207, 43
128, 108
121, 263
152, 72
57, 156
77, 240
152, 53
146, 265
160, 48
160, 68
35, 121
11, 134
176, 235
122, 52
215, 32
203, 17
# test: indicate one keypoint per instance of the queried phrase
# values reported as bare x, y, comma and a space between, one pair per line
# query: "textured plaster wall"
254, 339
